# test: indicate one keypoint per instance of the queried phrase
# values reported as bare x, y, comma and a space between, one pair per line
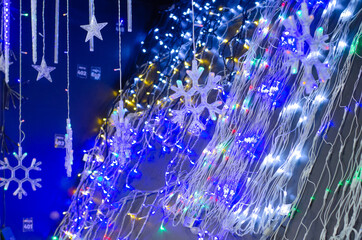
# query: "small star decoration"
44, 71
93, 29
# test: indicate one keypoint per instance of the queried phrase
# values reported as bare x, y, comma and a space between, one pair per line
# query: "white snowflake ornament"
196, 98
298, 53
5, 165
124, 135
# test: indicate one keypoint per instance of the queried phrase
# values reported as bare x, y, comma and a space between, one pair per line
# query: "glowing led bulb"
342, 44
297, 154
346, 13
319, 99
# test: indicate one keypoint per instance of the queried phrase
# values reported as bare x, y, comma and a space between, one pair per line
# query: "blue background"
44, 106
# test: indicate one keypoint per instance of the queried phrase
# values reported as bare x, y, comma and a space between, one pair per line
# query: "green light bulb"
162, 229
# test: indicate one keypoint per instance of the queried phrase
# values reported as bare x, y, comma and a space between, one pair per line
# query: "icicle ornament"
56, 33
249, 173
129, 15
5, 165
69, 148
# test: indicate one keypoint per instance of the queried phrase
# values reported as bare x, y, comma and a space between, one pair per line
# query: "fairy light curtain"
255, 126
19, 156
34, 32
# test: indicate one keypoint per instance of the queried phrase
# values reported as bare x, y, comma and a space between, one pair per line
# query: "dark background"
45, 109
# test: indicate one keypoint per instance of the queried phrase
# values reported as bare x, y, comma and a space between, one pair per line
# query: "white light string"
69, 135
353, 165
43, 69
20, 75
120, 46
6, 21
19, 155
43, 27
289, 136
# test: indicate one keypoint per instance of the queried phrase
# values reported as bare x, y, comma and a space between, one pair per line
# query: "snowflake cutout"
196, 92
4, 165
124, 134
297, 53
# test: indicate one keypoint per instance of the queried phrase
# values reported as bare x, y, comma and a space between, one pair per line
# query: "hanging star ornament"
69, 148
93, 29
44, 71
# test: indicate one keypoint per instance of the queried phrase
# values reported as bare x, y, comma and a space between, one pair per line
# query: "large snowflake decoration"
124, 134
5, 165
301, 46
196, 98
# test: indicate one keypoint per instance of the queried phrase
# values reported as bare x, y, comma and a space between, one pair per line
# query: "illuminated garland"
234, 169
6, 35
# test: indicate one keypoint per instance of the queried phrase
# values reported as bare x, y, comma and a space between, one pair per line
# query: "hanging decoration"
194, 92
34, 31
69, 148
291, 37
5, 165
235, 104
93, 28
56, 33
20, 156
43, 69
69, 134
129, 15
124, 135
6, 22
190, 107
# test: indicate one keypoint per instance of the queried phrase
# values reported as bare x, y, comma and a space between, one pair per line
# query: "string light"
249, 151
